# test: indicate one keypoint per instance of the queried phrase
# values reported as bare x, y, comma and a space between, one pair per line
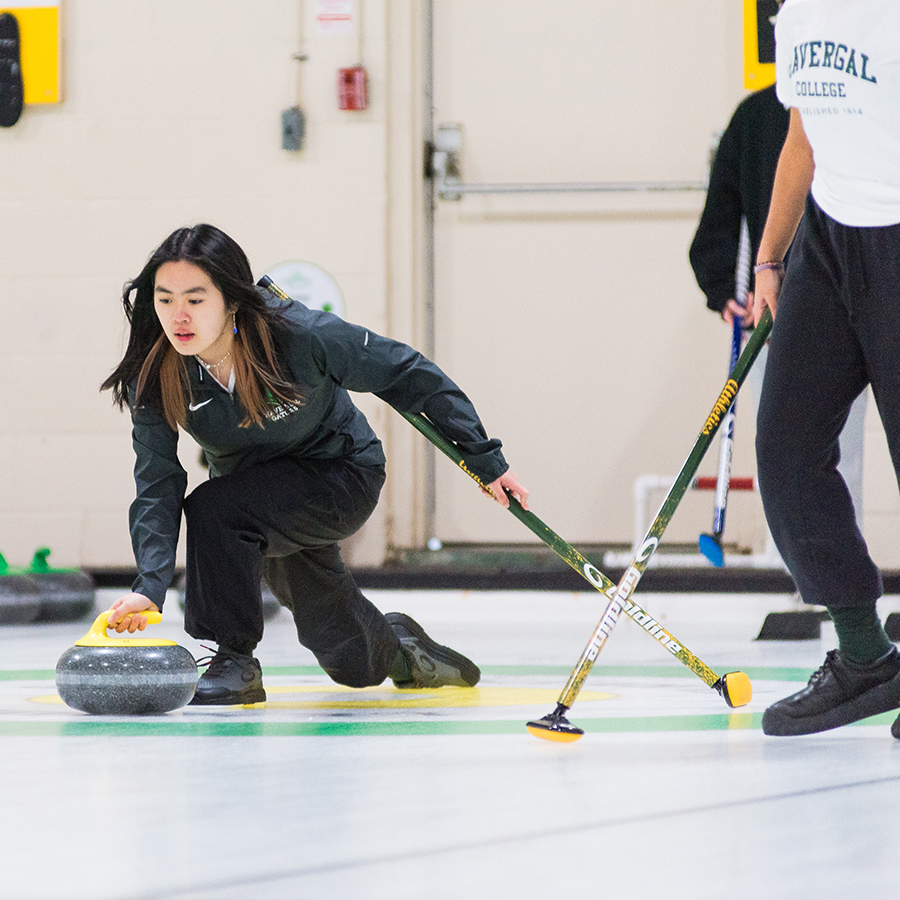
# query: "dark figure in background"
740, 186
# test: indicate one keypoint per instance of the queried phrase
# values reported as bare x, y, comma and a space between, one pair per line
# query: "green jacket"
326, 357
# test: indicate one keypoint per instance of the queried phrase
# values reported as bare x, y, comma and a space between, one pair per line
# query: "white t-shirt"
838, 63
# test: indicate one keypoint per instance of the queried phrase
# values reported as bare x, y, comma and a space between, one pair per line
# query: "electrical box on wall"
353, 88
293, 127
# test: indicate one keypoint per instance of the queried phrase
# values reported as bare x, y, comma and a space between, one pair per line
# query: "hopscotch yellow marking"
338, 697
446, 697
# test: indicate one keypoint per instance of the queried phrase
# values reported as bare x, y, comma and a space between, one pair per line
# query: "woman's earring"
234, 322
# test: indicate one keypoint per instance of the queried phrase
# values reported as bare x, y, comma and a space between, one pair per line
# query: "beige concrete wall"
171, 115
574, 319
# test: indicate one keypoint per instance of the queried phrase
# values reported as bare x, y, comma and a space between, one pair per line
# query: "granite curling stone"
115, 676
67, 595
20, 597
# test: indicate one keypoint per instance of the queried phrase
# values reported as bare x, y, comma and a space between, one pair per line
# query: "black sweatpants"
837, 329
282, 520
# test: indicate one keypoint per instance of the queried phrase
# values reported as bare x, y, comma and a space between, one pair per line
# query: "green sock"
861, 636
401, 670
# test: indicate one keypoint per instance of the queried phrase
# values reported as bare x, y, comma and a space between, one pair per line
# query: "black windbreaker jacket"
740, 185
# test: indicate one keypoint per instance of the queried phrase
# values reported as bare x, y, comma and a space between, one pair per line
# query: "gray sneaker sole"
467, 674
883, 698
251, 695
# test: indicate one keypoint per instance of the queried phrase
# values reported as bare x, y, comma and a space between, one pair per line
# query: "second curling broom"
710, 543
734, 687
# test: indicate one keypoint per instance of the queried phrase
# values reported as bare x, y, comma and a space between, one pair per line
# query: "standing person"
837, 330
740, 187
262, 386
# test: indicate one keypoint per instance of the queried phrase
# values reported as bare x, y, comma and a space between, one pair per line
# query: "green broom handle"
564, 550
738, 374
639, 563
584, 567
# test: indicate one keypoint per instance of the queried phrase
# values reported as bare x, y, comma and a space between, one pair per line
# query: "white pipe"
453, 190
643, 485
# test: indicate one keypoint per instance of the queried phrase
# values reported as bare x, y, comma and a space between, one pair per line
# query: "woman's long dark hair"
154, 373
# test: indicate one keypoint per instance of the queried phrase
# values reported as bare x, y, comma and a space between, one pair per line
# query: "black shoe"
838, 693
231, 678
432, 665
895, 728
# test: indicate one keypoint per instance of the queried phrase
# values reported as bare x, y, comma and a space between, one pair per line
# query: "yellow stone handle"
97, 636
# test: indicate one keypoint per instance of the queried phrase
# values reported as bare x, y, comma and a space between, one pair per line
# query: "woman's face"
191, 310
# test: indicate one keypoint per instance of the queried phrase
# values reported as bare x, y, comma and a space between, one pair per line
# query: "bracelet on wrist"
775, 264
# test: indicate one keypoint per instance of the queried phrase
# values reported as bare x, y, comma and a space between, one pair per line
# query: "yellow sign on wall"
39, 37
759, 43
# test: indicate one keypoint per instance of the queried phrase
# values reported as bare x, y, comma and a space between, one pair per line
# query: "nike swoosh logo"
193, 408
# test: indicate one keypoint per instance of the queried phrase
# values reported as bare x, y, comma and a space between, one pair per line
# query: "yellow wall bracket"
40, 39
759, 44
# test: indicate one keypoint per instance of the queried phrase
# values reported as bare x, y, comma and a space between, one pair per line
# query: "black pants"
837, 329
281, 520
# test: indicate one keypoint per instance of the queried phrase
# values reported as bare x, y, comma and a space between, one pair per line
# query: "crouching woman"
262, 386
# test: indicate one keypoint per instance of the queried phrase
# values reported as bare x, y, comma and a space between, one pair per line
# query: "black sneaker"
432, 665
231, 678
895, 728
838, 693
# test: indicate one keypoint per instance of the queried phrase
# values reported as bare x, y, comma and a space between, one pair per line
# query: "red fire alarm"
353, 88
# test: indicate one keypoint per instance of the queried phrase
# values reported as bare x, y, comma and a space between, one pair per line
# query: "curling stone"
66, 594
116, 676
20, 597
270, 604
